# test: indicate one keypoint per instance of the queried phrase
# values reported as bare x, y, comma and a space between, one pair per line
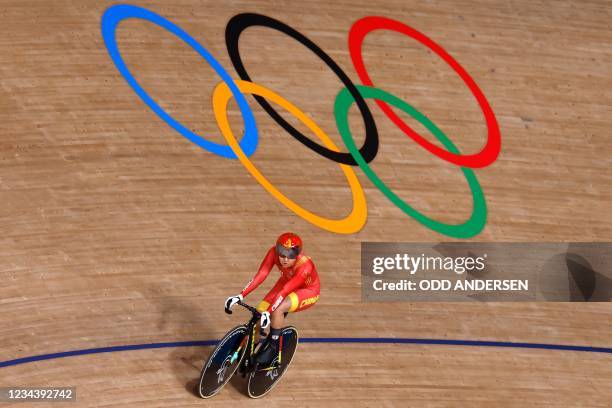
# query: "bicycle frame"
248, 342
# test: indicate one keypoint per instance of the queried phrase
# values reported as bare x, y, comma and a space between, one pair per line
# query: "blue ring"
114, 15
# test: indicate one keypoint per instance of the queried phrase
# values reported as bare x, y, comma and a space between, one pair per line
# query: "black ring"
239, 23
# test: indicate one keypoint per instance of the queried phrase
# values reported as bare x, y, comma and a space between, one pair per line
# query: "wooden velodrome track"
116, 230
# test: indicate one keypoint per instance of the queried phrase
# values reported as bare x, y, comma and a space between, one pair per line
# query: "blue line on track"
343, 340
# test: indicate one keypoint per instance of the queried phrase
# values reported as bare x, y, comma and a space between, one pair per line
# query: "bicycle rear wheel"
262, 380
223, 362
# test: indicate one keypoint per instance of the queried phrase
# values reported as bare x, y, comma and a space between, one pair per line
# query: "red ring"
489, 153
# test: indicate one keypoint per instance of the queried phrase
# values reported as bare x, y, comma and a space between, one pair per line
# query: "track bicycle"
237, 351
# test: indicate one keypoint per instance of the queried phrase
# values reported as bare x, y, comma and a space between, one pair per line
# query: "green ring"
468, 229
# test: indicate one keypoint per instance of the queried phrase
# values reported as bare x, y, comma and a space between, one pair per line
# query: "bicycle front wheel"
223, 362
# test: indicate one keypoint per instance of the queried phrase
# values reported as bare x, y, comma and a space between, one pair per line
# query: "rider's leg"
276, 326
278, 320
267, 300
278, 316
296, 301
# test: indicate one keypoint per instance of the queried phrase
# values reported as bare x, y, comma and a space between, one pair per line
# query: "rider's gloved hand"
264, 320
231, 301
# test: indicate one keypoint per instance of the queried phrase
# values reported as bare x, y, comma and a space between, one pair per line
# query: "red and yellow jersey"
302, 275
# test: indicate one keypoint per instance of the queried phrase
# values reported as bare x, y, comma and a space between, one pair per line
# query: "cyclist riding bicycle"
297, 289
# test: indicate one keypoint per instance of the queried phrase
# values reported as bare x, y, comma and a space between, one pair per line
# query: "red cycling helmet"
288, 245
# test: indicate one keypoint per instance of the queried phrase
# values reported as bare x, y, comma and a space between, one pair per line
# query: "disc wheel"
222, 363
263, 379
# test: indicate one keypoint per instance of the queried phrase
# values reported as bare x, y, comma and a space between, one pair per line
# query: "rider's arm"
294, 283
262, 273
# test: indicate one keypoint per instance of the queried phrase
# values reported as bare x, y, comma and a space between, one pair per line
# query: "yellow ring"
353, 222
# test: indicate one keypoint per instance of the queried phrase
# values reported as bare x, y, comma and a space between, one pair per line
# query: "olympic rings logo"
350, 94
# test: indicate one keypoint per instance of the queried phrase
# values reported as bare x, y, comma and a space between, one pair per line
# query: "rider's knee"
282, 308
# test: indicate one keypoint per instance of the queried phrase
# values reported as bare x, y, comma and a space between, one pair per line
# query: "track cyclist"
296, 289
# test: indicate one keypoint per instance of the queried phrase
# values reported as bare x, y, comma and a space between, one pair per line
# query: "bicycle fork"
242, 343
